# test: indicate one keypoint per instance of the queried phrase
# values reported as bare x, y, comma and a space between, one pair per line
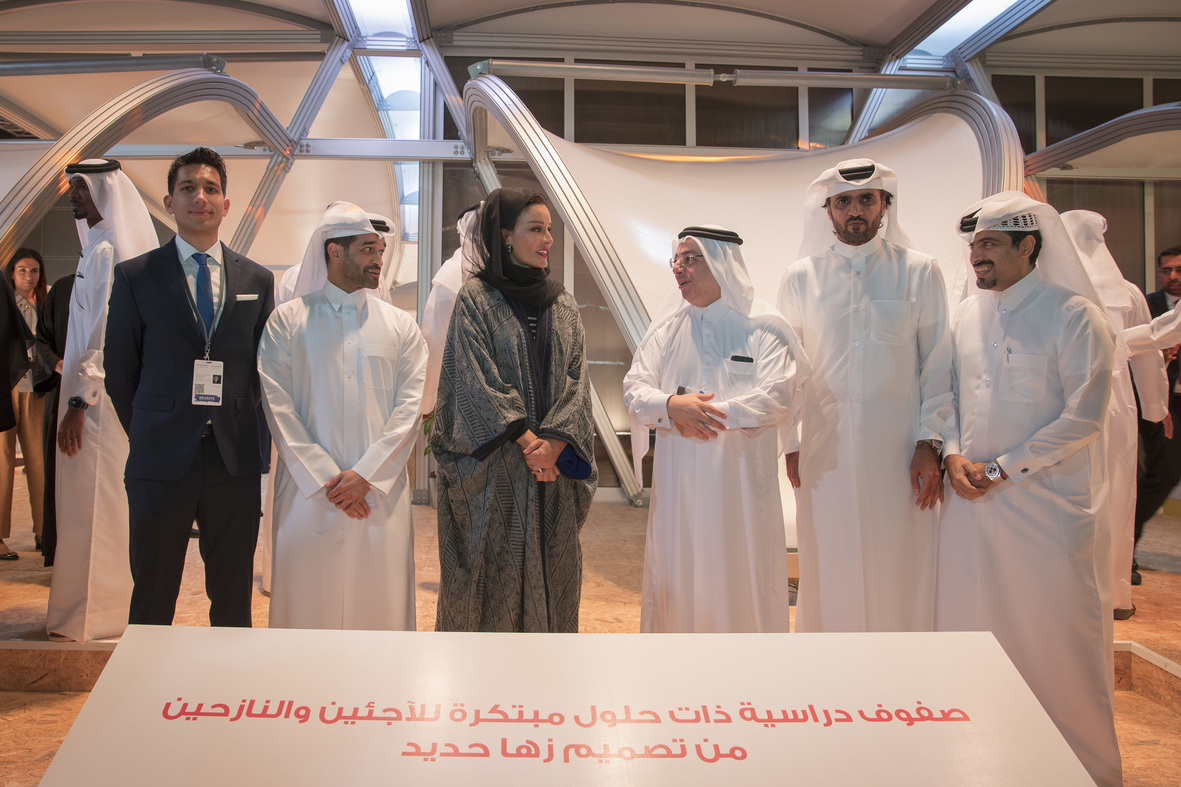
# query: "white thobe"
1148, 375
436, 317
1032, 382
873, 321
90, 592
342, 380
715, 559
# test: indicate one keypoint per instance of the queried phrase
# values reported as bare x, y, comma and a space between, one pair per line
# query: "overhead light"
746, 77
527, 68
107, 65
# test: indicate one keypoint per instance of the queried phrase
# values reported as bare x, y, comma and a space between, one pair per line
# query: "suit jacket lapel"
178, 285
231, 273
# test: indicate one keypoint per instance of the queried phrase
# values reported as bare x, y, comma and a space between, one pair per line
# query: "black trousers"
1161, 470
227, 511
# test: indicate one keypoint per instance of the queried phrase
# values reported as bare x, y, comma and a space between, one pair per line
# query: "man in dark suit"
182, 336
1162, 454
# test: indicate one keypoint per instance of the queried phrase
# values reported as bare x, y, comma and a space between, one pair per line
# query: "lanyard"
206, 330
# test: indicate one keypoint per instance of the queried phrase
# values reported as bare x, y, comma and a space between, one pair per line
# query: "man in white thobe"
90, 592
872, 316
714, 378
436, 315
342, 376
1126, 307
1023, 540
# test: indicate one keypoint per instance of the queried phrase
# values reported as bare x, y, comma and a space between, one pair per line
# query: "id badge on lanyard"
207, 376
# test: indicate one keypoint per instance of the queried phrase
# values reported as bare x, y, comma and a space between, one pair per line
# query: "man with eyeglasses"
714, 378
872, 315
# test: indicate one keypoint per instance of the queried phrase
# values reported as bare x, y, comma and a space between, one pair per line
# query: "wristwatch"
77, 403
992, 471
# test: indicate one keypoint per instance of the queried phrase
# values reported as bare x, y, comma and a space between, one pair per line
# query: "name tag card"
207, 382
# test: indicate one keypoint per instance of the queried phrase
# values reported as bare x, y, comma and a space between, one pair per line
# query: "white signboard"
200, 706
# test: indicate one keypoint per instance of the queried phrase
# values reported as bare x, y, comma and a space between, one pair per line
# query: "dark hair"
344, 243
39, 289
1172, 251
197, 156
1016, 236
495, 266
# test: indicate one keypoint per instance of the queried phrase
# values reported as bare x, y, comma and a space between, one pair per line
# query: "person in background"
91, 583
26, 274
53, 320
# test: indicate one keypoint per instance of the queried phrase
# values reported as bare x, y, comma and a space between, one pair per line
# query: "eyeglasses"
684, 261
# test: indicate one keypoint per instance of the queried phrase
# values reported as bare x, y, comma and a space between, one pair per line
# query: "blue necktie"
204, 291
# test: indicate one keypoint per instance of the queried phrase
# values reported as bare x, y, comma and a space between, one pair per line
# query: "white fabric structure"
1030, 560
621, 189
90, 590
715, 553
1126, 307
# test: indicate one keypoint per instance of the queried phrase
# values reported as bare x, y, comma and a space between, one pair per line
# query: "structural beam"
914, 34
110, 65
28, 200
1012, 18
123, 41
301, 122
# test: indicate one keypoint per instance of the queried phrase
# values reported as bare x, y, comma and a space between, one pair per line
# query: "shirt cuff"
1019, 464
654, 412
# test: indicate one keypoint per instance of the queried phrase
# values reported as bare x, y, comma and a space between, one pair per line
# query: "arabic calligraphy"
602, 718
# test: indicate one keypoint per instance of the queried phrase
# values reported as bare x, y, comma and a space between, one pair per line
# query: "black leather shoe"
1124, 614
10, 556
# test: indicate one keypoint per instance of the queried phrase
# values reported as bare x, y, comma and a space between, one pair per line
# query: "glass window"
1017, 95
629, 113
830, 114
543, 96
398, 83
1122, 204
747, 117
1167, 218
1166, 91
383, 17
1075, 104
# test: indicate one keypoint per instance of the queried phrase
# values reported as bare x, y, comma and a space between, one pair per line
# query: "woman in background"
26, 274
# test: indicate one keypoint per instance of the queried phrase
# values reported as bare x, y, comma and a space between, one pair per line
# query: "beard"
858, 237
988, 282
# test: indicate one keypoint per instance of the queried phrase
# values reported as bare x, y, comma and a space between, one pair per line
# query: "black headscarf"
494, 265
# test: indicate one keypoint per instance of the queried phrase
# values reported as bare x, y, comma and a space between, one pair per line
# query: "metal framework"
903, 43
1166, 117
1000, 146
41, 186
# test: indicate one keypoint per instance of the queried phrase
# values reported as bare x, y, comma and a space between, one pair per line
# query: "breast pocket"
381, 366
890, 322
1023, 378
740, 377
